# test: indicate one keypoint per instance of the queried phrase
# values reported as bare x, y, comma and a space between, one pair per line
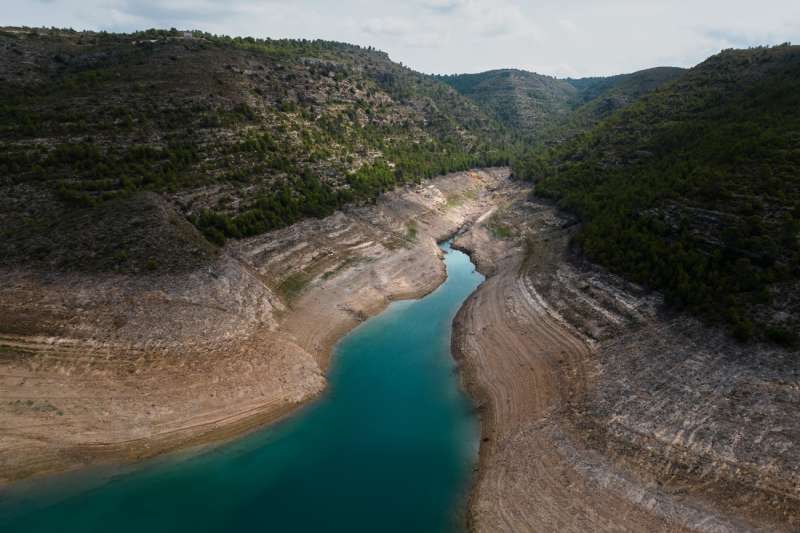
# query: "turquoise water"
389, 447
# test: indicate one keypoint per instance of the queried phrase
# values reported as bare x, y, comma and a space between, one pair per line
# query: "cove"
389, 447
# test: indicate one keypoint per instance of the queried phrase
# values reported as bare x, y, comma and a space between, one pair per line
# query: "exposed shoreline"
328, 308
532, 345
511, 402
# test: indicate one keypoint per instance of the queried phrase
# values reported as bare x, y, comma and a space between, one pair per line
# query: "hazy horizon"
571, 38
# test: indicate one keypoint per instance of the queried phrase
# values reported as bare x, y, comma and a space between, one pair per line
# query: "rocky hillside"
694, 190
239, 136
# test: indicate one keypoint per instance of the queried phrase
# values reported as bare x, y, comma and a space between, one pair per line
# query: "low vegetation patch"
497, 228
291, 287
411, 230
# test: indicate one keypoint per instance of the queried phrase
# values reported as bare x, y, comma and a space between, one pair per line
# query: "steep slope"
240, 135
694, 190
524, 101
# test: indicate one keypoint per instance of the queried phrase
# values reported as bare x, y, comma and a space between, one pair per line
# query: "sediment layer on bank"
603, 411
123, 367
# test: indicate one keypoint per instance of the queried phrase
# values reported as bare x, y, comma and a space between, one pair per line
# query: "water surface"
389, 447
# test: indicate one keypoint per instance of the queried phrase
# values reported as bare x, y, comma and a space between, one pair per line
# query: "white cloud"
404, 32
498, 18
388, 26
442, 6
568, 25
563, 37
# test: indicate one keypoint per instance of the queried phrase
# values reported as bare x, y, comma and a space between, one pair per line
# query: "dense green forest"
695, 190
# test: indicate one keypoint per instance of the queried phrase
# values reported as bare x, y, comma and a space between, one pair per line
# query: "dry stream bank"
113, 367
601, 411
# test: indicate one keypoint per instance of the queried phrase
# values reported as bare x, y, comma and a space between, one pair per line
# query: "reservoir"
390, 446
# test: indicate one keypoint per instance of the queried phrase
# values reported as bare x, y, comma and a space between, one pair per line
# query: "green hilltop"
523, 101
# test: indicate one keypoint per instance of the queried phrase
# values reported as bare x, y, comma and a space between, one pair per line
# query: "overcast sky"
557, 37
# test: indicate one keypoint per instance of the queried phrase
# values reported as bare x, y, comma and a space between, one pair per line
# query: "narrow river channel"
389, 447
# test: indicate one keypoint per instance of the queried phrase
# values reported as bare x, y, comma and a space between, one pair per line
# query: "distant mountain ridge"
546, 110
601, 97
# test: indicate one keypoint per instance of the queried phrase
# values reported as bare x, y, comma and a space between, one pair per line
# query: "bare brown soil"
600, 411
117, 367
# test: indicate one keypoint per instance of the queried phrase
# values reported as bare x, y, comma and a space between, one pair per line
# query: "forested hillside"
240, 135
695, 190
525, 102
542, 110
599, 98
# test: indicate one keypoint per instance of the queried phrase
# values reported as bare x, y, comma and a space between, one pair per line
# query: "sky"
564, 38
